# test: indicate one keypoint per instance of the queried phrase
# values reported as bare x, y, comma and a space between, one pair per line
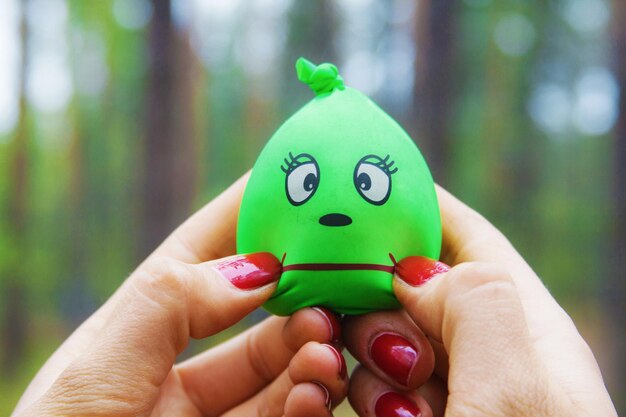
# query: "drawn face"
338, 193
372, 180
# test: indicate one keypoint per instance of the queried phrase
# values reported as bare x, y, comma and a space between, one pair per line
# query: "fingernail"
392, 404
343, 370
333, 324
327, 402
394, 355
418, 270
250, 271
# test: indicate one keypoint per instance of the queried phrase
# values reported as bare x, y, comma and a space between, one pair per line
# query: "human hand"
121, 360
484, 338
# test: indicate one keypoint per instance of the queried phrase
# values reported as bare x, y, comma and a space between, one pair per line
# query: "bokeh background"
119, 118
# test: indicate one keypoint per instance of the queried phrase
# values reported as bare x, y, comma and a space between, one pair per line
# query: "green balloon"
339, 193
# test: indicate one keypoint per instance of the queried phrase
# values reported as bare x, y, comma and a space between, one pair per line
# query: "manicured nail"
333, 324
394, 355
250, 271
327, 401
343, 370
418, 270
392, 404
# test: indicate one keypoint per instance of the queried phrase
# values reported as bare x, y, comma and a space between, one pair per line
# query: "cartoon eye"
303, 177
372, 178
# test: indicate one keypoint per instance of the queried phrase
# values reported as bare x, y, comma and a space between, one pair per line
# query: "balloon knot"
322, 79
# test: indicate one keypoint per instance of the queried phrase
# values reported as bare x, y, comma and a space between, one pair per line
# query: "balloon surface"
339, 193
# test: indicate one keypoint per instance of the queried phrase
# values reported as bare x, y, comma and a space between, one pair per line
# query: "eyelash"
385, 165
293, 162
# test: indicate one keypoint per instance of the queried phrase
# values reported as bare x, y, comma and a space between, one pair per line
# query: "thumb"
475, 311
163, 304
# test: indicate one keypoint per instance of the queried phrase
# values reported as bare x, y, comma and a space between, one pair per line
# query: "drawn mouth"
340, 266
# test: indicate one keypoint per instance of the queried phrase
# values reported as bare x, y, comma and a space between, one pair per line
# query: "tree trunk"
311, 33
76, 286
508, 146
433, 86
615, 291
15, 313
169, 177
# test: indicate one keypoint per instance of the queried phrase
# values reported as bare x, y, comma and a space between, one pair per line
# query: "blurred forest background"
119, 118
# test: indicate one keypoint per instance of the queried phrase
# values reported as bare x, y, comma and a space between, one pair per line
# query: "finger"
315, 363
331, 372
442, 362
165, 303
199, 239
210, 232
307, 400
466, 233
469, 237
435, 392
259, 355
391, 346
370, 396
474, 310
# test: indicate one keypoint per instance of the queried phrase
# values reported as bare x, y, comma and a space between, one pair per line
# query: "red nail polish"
392, 404
327, 402
250, 271
333, 324
343, 370
417, 270
394, 355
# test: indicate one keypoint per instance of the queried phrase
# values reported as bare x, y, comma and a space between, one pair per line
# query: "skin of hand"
482, 338
121, 361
